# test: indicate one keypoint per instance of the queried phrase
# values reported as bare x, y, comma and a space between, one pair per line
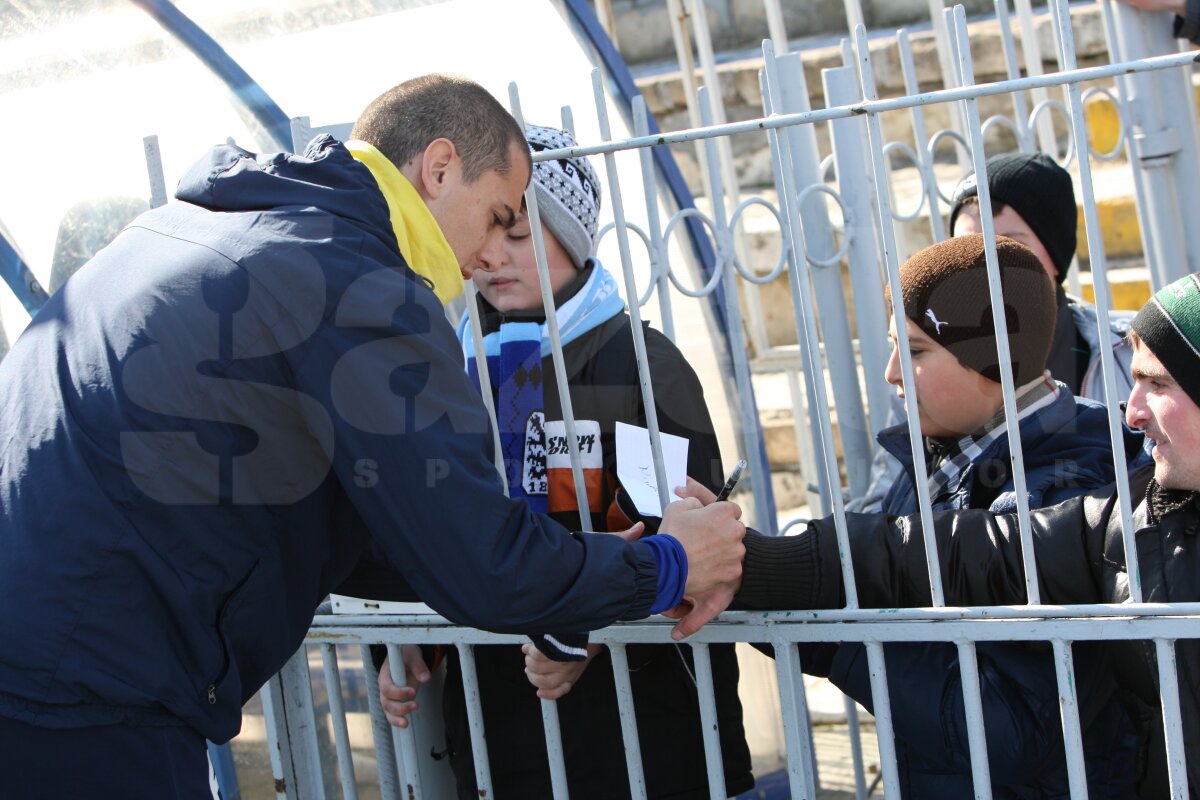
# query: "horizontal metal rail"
879, 106
984, 623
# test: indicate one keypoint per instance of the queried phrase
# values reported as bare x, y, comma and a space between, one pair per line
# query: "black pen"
734, 477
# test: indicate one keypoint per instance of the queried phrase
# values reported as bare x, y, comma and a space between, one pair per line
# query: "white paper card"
635, 466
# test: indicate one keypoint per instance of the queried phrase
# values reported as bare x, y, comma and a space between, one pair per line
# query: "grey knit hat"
568, 193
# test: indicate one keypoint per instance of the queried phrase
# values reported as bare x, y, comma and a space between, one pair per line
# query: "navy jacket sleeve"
412, 449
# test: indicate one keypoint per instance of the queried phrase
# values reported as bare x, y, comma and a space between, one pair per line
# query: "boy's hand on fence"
712, 538
400, 701
554, 679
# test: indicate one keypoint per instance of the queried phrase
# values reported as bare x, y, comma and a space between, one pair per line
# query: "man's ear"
438, 161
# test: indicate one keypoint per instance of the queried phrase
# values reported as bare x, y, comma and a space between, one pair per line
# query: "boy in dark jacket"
1066, 451
603, 377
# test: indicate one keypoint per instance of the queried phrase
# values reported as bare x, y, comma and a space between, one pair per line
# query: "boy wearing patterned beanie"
980, 563
1066, 451
602, 375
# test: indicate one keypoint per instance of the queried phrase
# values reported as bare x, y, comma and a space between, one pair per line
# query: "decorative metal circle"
718, 270
654, 258
784, 241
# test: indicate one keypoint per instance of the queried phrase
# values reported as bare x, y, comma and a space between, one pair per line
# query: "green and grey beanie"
1170, 326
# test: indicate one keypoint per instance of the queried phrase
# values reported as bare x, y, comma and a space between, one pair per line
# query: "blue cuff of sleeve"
672, 571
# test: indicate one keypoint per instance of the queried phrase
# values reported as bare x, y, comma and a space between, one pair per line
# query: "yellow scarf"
422, 242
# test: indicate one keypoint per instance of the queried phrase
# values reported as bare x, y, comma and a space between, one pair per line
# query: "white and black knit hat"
568, 193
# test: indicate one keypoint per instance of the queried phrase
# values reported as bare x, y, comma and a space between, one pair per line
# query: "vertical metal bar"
279, 741
775, 25
1068, 703
708, 721
797, 728
629, 733
968, 665
817, 485
479, 751
604, 13
856, 752
806, 332
404, 740
1168, 687
381, 731
884, 730
941, 35
298, 714
1020, 108
1158, 113
659, 263
849, 136
818, 493
879, 166
921, 138
301, 132
999, 316
485, 379
1103, 293
560, 369
1124, 94
554, 749
337, 713
683, 52
826, 281
764, 515
220, 756
1033, 66
763, 492
848, 57
849, 139
631, 293
721, 160
154, 170
854, 14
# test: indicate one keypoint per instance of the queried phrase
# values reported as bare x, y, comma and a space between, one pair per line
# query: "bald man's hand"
711, 536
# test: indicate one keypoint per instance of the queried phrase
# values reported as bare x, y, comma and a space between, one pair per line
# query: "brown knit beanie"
946, 294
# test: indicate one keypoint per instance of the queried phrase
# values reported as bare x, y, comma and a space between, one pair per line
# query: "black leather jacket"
1080, 559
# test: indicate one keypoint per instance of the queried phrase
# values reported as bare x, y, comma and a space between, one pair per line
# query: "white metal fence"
295, 724
1159, 142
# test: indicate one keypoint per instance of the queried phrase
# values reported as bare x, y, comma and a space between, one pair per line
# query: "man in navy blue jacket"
252, 398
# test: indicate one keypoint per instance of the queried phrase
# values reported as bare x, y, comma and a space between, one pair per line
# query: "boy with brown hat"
1066, 449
